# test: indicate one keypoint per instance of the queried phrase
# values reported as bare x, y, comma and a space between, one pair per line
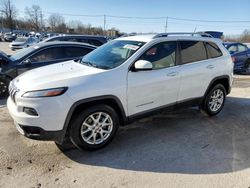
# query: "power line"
213, 21
150, 18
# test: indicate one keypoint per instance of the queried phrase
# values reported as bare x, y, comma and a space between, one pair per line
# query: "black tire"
247, 66
206, 107
95, 127
4, 84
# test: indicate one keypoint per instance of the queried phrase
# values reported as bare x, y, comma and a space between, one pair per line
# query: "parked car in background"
37, 56
125, 79
23, 42
9, 37
90, 39
241, 56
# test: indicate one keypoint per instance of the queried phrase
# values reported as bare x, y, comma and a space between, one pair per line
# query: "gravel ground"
179, 149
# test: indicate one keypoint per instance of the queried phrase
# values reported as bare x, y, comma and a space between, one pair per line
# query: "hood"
56, 75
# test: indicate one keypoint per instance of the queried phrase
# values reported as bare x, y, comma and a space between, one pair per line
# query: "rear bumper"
16, 47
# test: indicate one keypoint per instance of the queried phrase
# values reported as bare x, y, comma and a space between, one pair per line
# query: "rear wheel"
214, 100
247, 66
94, 127
4, 83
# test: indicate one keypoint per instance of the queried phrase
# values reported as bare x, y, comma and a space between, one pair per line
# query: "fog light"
30, 111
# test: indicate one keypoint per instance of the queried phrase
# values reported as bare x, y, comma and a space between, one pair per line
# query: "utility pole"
166, 25
104, 24
195, 29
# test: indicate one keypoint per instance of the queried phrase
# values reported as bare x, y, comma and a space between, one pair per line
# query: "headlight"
45, 93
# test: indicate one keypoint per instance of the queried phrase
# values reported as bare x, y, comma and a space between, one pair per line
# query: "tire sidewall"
75, 128
208, 96
6, 81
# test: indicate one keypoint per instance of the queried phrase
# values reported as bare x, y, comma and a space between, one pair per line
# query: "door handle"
172, 74
210, 66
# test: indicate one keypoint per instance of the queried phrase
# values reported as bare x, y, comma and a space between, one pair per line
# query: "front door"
148, 90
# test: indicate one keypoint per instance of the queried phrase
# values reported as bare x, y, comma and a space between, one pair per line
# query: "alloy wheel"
216, 100
96, 128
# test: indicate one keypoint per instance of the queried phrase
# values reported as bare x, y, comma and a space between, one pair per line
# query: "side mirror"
27, 62
143, 65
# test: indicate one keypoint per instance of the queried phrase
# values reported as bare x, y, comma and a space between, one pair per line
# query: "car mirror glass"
142, 65
27, 62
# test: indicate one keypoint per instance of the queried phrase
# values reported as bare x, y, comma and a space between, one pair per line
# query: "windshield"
20, 40
20, 54
111, 54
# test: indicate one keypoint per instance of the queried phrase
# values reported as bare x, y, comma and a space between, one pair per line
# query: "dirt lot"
179, 149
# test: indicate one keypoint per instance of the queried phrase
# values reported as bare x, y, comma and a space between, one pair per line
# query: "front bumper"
38, 133
48, 124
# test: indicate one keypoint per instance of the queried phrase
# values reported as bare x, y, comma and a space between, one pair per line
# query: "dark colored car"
90, 39
215, 34
37, 56
241, 56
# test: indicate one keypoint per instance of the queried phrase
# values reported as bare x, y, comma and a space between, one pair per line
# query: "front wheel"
214, 100
4, 83
94, 127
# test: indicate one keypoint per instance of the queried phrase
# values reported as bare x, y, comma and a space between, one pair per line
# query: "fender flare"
88, 100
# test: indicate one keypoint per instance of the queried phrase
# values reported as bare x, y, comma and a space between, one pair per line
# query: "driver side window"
161, 55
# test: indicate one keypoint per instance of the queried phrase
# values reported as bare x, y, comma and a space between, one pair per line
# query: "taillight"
233, 59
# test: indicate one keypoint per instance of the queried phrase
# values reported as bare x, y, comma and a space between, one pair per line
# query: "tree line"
35, 21
244, 37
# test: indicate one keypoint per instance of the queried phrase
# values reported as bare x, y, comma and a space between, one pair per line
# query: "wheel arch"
78, 106
224, 80
6, 76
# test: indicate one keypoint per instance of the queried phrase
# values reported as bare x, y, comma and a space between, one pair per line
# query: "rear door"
242, 53
195, 69
158, 87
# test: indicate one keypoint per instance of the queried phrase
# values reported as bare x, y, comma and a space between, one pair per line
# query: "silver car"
23, 42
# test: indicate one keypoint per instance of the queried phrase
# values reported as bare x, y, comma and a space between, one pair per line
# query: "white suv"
125, 79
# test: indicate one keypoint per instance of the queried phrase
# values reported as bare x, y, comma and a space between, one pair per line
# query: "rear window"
192, 51
76, 51
213, 50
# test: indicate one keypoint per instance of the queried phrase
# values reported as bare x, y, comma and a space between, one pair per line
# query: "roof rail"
200, 34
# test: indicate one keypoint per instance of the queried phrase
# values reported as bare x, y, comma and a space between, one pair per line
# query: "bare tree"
9, 12
57, 23
35, 17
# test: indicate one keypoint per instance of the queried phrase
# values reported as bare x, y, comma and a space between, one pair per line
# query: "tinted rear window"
76, 51
213, 50
192, 51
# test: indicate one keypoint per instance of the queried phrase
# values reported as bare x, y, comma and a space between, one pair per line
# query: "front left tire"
4, 83
94, 127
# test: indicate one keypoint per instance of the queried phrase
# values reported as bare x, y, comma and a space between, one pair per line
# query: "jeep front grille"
13, 90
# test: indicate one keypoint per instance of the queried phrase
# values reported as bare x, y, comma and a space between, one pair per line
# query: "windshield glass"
111, 54
20, 54
20, 40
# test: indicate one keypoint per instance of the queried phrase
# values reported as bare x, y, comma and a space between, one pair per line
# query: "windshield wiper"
88, 63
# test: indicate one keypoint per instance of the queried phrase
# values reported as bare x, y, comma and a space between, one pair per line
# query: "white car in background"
23, 42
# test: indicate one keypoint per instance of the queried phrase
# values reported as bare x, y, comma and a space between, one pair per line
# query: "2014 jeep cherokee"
124, 79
